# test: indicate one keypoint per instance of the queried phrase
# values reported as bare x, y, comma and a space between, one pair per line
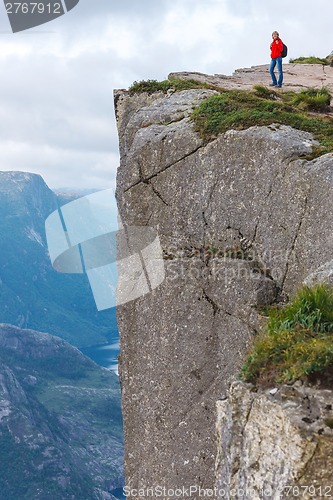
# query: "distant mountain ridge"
32, 294
67, 194
60, 421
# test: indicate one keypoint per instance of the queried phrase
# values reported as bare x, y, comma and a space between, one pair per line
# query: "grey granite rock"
242, 221
295, 76
274, 444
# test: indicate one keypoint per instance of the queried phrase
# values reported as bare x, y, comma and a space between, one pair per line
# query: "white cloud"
60, 167
56, 86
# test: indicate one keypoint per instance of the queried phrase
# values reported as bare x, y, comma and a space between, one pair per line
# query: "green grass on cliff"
310, 60
241, 109
297, 342
151, 86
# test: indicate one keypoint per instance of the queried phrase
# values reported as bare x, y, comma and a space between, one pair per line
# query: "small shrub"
313, 99
297, 342
309, 60
148, 86
265, 92
151, 86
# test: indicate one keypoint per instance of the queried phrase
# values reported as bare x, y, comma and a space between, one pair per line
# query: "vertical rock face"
241, 221
275, 444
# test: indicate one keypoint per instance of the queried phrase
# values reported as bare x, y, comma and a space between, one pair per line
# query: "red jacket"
276, 48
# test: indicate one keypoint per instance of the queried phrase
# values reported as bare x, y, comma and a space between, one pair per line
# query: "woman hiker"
276, 58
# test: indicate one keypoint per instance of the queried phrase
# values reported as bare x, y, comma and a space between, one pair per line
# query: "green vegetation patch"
310, 60
151, 86
297, 342
241, 109
313, 99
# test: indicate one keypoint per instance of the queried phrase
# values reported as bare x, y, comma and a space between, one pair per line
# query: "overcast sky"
57, 80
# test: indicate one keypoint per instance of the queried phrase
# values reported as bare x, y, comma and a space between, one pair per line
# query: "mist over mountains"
60, 414
32, 294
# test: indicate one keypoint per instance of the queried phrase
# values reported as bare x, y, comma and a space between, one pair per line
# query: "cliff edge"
242, 221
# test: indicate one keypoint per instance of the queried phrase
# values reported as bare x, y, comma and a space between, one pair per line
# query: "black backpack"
284, 50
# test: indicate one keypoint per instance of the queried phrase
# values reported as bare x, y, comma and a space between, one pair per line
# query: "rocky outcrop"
295, 77
242, 221
330, 58
275, 444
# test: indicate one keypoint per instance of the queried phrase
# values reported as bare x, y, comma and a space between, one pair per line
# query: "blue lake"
104, 355
118, 493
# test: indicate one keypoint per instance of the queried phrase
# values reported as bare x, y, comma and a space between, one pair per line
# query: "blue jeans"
277, 60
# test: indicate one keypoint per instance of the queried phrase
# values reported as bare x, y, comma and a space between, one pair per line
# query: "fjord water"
105, 355
118, 493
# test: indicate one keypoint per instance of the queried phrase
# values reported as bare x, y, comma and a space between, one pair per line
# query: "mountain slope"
32, 294
60, 420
